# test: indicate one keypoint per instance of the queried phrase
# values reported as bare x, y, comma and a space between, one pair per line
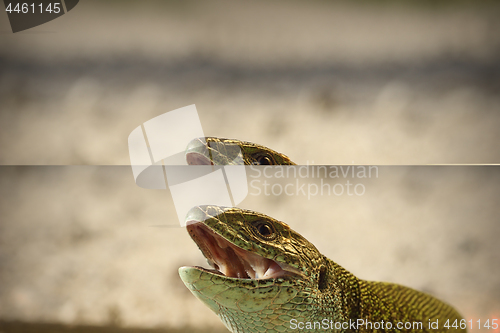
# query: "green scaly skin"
319, 289
220, 151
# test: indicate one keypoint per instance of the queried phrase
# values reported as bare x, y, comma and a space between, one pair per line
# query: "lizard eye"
264, 160
265, 229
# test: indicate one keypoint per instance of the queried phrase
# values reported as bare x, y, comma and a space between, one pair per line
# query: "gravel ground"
325, 83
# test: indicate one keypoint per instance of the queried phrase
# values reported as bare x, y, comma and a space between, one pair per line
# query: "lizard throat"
229, 260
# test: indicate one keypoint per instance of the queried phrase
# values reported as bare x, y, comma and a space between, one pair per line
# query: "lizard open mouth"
232, 261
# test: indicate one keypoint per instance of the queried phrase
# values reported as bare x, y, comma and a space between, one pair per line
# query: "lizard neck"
339, 292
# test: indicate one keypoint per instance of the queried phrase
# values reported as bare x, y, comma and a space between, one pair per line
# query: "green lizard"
211, 150
268, 278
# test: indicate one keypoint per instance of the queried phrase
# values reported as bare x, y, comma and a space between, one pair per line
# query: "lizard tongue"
197, 159
197, 153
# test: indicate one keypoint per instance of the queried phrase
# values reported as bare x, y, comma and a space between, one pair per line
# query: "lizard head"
257, 262
217, 151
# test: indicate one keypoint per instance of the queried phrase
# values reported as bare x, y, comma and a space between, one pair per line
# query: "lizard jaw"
232, 261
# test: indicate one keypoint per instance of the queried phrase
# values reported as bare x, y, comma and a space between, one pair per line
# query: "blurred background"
325, 82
